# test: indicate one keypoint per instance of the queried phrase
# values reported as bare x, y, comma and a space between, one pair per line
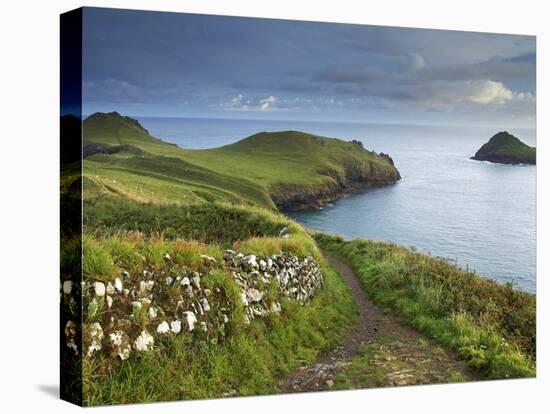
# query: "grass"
163, 179
492, 326
255, 170
208, 222
245, 360
288, 157
121, 233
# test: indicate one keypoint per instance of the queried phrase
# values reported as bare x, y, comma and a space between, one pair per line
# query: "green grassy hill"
285, 169
505, 148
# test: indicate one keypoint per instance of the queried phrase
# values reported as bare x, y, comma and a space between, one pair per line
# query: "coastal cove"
480, 214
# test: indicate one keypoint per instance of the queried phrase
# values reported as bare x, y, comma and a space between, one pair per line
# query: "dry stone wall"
133, 312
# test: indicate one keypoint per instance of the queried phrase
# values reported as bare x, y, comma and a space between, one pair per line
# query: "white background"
29, 207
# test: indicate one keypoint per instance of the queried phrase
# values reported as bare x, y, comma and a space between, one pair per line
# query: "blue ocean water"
480, 214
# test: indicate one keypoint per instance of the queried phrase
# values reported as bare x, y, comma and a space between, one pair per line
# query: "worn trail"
379, 351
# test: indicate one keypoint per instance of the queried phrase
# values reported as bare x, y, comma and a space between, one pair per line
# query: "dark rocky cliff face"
297, 197
503, 158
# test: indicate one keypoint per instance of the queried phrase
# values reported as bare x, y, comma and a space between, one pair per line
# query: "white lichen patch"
262, 264
99, 289
153, 312
275, 307
244, 300
146, 286
67, 287
163, 328
110, 288
196, 280
93, 338
70, 333
204, 304
190, 319
120, 344
118, 284
145, 301
175, 326
144, 342
254, 295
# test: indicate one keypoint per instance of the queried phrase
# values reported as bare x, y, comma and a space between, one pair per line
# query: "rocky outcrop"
355, 176
504, 148
134, 312
108, 117
92, 149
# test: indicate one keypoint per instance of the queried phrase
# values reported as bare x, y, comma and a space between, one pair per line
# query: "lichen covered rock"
71, 329
93, 338
99, 289
144, 342
163, 328
67, 287
120, 344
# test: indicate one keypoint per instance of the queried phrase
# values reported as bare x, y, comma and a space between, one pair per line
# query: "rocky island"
504, 148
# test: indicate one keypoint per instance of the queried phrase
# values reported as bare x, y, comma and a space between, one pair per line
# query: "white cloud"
267, 103
243, 103
237, 99
115, 90
444, 95
490, 92
416, 61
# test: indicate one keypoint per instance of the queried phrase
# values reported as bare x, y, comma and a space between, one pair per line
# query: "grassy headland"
282, 169
491, 325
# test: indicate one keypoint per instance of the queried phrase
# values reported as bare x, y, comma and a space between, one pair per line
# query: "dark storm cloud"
504, 69
181, 64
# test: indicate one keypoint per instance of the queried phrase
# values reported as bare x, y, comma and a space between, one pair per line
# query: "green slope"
290, 157
266, 169
505, 148
148, 169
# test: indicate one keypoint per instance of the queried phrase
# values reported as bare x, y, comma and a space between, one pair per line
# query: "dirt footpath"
379, 352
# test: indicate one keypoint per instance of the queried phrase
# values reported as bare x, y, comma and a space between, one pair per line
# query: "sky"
187, 65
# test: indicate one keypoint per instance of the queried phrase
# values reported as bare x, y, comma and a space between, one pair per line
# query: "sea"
477, 215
